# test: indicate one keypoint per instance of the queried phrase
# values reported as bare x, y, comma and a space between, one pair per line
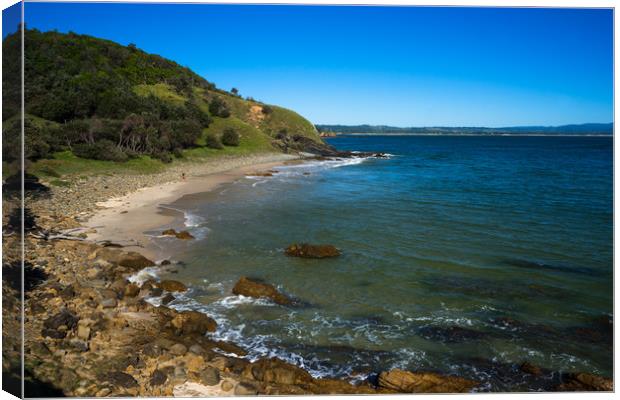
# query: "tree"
219, 108
234, 91
214, 142
230, 137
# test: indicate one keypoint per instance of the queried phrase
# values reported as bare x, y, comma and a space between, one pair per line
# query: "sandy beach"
125, 219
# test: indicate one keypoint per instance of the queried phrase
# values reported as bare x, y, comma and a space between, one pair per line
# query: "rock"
188, 322
167, 299
530, 369
79, 345
196, 349
582, 382
121, 379
53, 333
93, 273
245, 389
210, 376
305, 250
131, 290
103, 392
227, 386
83, 332
423, 382
172, 286
64, 318
252, 288
135, 261
158, 378
109, 303
184, 235
169, 232
178, 349
220, 363
275, 370
108, 294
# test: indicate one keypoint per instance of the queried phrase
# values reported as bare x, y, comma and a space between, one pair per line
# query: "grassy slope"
255, 137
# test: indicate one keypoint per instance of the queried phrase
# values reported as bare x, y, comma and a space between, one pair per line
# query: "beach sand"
124, 220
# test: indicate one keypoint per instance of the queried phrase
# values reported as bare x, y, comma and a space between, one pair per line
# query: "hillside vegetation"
91, 102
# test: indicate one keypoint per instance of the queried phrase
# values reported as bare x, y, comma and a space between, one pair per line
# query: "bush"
214, 142
101, 150
219, 108
267, 110
230, 137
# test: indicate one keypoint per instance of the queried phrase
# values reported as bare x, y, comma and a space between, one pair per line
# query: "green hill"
93, 99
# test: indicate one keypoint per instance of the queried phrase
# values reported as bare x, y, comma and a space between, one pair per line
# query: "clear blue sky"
404, 66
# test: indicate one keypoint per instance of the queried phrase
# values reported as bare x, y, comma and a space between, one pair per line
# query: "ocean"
461, 255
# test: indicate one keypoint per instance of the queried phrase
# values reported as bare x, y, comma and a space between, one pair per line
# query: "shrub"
219, 108
230, 137
101, 150
267, 110
214, 142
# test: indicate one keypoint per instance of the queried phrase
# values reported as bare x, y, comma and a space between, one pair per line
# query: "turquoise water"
442, 242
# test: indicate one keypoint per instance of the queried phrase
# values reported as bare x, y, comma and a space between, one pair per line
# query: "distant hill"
97, 99
581, 129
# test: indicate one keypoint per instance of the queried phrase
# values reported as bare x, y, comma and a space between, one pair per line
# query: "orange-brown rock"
274, 370
169, 232
172, 286
306, 250
582, 382
189, 322
252, 288
185, 235
423, 382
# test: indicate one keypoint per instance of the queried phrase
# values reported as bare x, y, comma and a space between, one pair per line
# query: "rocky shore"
89, 331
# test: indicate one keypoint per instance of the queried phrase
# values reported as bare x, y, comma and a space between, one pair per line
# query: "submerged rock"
451, 334
122, 379
252, 288
178, 235
306, 250
423, 382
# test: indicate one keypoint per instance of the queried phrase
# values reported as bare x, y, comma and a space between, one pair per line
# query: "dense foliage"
81, 95
230, 137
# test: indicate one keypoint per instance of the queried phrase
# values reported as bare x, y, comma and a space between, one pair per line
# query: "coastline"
125, 219
90, 284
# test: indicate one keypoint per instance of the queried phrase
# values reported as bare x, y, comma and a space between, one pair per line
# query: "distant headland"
588, 129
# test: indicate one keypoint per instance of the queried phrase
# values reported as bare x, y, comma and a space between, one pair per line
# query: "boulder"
128, 259
135, 261
245, 389
252, 288
64, 318
210, 376
306, 250
184, 235
158, 378
277, 371
167, 299
121, 379
189, 322
132, 290
423, 382
582, 382
178, 349
169, 232
172, 286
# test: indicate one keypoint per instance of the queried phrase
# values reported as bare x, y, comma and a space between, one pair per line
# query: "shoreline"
125, 219
91, 285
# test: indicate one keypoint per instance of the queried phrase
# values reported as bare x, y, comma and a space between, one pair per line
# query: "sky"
400, 66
